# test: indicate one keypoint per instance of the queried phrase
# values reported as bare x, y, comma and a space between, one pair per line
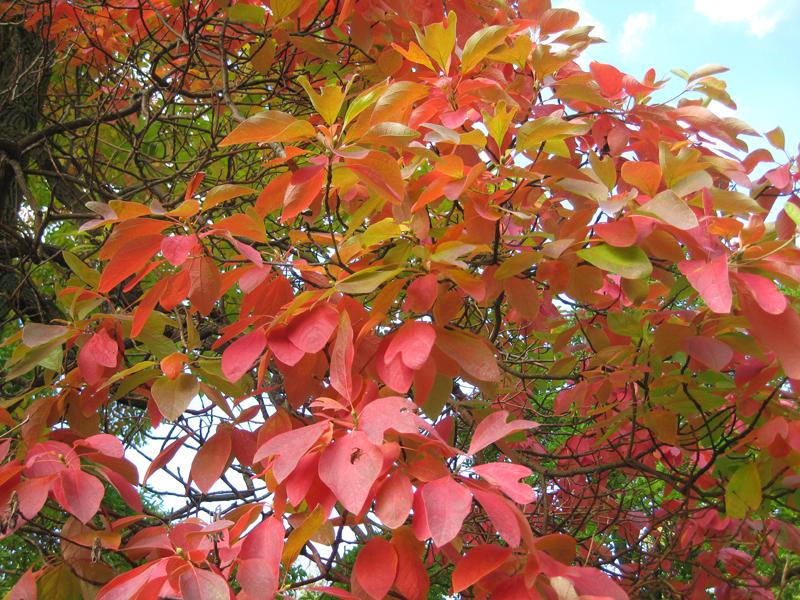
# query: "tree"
408, 282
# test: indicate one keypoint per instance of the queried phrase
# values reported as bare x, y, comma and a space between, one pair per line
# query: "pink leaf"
413, 343
389, 412
79, 493
100, 352
312, 330
342, 358
349, 467
260, 559
289, 448
711, 352
776, 333
394, 499
711, 281
506, 476
239, 357
501, 513
375, 568
447, 504
494, 428
764, 291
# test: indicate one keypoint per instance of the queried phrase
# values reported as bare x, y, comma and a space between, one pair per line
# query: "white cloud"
760, 16
633, 32
587, 18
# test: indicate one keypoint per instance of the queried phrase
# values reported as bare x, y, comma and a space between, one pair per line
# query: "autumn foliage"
407, 279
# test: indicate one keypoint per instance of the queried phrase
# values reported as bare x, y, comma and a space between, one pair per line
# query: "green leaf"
705, 71
246, 13
59, 583
81, 269
629, 263
533, 133
793, 212
367, 280
743, 493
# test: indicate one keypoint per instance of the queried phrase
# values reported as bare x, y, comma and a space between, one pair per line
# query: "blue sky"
756, 39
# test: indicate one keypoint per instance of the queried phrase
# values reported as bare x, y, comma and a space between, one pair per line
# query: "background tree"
407, 282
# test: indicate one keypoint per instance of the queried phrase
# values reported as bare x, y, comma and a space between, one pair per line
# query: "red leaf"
305, 187
205, 285
412, 578
711, 281
164, 457
176, 248
447, 504
211, 460
375, 568
473, 354
495, 427
394, 373
260, 559
413, 343
609, 78
349, 467
342, 358
506, 476
764, 291
79, 493
477, 563
711, 352
284, 350
128, 259
239, 357
199, 584
393, 501
390, 412
645, 176
97, 354
128, 585
32, 494
776, 333
312, 329
289, 448
421, 294
502, 515
104, 443
195, 182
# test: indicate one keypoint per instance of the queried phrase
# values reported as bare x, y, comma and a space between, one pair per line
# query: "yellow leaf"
499, 122
415, 54
438, 40
302, 534
480, 44
172, 396
366, 280
269, 126
533, 133
776, 138
743, 492
283, 8
263, 58
328, 103
226, 191
517, 53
